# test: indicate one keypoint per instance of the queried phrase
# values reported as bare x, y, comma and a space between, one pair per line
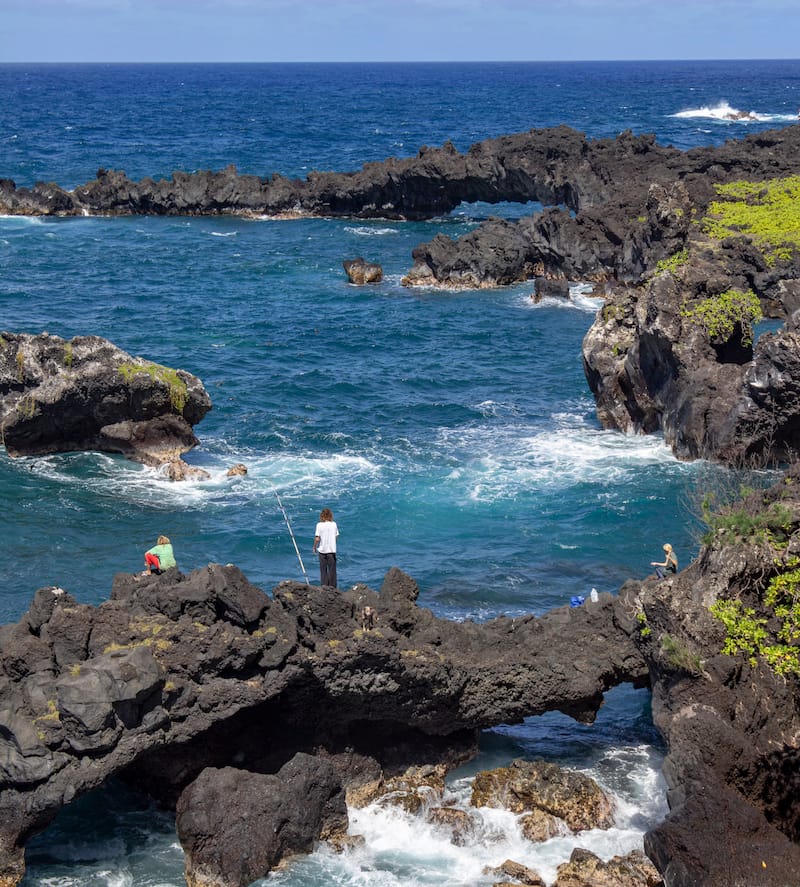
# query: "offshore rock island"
60, 395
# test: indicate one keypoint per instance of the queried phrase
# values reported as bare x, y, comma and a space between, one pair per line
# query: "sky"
395, 30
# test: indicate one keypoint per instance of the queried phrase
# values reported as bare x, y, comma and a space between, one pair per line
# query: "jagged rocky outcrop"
60, 395
541, 787
731, 723
177, 674
360, 272
286, 814
614, 209
557, 166
652, 366
602, 196
586, 869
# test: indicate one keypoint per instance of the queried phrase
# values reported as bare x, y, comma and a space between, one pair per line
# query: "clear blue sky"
395, 30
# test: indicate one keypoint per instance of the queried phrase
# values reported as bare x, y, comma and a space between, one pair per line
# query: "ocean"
452, 434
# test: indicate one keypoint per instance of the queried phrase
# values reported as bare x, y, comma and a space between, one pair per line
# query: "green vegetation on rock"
679, 657
674, 262
770, 631
746, 632
165, 375
739, 522
718, 315
767, 211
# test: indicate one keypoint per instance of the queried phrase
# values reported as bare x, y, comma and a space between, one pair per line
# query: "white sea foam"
11, 220
724, 112
115, 476
366, 231
580, 298
224, 233
402, 848
494, 463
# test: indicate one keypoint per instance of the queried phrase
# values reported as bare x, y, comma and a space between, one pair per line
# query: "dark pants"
327, 569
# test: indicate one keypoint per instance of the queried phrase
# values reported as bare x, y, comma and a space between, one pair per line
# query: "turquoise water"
452, 434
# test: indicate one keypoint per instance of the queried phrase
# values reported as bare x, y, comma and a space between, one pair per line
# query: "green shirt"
166, 558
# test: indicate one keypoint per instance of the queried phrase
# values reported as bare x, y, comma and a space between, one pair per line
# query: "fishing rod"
294, 541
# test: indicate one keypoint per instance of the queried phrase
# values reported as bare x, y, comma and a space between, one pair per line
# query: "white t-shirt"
327, 532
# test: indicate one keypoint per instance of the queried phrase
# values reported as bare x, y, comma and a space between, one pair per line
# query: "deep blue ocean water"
452, 434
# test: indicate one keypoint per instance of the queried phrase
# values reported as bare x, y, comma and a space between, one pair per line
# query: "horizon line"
395, 61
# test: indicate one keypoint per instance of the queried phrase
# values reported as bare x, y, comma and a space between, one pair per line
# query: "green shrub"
783, 597
718, 315
165, 375
674, 262
768, 212
745, 632
739, 522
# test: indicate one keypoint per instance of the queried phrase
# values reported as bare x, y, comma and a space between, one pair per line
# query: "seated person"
160, 557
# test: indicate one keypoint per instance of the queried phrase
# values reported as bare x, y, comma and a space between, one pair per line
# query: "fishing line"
294, 541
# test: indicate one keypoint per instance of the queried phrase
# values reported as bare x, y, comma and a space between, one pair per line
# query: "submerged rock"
417, 788
360, 272
460, 824
526, 786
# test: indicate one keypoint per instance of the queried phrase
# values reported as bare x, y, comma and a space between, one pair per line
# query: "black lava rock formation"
177, 674
57, 396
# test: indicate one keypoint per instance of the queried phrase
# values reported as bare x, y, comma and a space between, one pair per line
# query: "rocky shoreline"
640, 220
177, 677
195, 687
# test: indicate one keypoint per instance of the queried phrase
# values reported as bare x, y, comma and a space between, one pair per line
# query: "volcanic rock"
86, 394
175, 674
537, 785
519, 873
539, 825
417, 788
460, 824
585, 869
235, 826
652, 367
613, 205
360, 272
